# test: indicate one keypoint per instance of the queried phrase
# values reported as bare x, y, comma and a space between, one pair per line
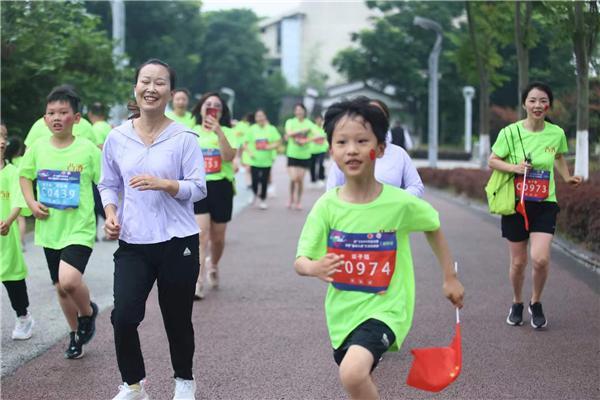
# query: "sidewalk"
262, 335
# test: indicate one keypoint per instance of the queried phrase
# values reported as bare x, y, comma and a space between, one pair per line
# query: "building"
305, 40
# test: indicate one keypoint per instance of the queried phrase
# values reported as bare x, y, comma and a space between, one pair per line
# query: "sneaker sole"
509, 322
532, 324
76, 358
25, 337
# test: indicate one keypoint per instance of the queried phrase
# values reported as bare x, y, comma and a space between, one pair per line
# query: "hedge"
579, 217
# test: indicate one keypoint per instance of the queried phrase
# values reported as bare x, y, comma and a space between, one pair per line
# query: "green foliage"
45, 44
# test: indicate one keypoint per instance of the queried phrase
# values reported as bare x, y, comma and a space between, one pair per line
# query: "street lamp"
468, 93
434, 56
230, 98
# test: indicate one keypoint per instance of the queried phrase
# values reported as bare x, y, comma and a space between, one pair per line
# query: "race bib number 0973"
537, 186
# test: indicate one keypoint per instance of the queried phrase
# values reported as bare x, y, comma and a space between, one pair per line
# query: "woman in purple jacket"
152, 173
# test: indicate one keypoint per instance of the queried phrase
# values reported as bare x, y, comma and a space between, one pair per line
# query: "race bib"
261, 144
320, 140
369, 260
59, 189
212, 161
537, 185
300, 138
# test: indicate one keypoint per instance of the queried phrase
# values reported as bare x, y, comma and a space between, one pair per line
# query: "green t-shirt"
295, 150
257, 137
394, 214
543, 147
214, 166
101, 131
12, 264
64, 184
187, 119
321, 145
241, 130
39, 130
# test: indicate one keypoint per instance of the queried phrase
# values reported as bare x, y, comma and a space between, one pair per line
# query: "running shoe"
23, 328
132, 392
263, 205
515, 314
185, 389
75, 349
538, 320
86, 326
212, 274
199, 294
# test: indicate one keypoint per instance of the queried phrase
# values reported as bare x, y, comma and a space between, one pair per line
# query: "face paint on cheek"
546, 107
372, 155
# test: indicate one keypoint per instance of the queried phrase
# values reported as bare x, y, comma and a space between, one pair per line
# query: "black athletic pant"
174, 265
317, 170
17, 293
260, 176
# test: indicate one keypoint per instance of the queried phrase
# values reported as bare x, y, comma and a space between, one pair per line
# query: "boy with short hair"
356, 238
65, 167
101, 128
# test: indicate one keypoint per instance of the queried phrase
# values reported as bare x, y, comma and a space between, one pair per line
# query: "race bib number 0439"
369, 260
59, 189
212, 161
537, 185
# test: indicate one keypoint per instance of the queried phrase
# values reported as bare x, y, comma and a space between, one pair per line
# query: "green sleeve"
288, 126
27, 169
17, 199
563, 147
97, 162
275, 136
420, 216
36, 131
231, 138
313, 239
500, 148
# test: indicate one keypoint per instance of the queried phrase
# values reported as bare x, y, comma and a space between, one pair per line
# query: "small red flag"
434, 368
521, 205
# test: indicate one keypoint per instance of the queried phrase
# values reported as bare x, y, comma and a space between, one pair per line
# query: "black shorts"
373, 335
218, 201
75, 255
541, 216
296, 162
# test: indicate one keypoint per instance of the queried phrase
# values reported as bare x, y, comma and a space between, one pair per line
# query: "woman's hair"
301, 106
14, 148
354, 108
540, 86
132, 106
225, 119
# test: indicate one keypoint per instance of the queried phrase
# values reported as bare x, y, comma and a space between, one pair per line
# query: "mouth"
149, 99
353, 163
538, 113
57, 126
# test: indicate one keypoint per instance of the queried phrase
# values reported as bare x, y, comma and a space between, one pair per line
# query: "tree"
523, 43
45, 44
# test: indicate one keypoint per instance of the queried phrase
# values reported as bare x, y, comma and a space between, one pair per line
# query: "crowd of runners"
164, 182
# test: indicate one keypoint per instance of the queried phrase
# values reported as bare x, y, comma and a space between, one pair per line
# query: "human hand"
326, 266
521, 168
39, 210
454, 291
574, 180
146, 182
112, 229
211, 123
4, 228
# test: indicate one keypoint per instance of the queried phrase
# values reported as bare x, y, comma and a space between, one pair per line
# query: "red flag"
434, 368
521, 205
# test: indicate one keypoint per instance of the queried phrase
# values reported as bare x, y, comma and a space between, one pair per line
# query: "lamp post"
468, 93
230, 98
118, 112
434, 56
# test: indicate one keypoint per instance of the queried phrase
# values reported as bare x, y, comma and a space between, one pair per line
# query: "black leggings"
174, 265
260, 176
317, 170
17, 293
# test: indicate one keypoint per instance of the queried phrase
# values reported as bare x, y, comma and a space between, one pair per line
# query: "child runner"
97, 115
12, 265
536, 146
261, 140
356, 238
240, 130
180, 113
152, 172
318, 149
65, 167
219, 148
298, 133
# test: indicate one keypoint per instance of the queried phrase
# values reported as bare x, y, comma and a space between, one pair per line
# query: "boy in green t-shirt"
356, 238
12, 265
65, 167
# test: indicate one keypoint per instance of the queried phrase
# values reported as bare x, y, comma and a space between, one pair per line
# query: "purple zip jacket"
153, 216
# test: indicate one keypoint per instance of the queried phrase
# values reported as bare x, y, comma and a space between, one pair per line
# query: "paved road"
263, 335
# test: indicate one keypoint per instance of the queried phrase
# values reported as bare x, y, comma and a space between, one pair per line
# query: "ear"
380, 149
77, 118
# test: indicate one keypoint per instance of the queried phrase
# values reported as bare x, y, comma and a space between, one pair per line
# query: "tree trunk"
522, 29
484, 95
582, 64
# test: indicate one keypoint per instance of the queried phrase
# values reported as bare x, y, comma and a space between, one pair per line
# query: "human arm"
563, 169
497, 163
322, 268
5, 225
38, 210
227, 151
411, 180
452, 288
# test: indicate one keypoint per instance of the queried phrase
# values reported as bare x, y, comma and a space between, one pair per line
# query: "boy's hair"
65, 93
98, 109
225, 114
182, 90
353, 108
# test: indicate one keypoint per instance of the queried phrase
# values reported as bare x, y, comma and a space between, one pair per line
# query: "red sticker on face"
372, 155
546, 107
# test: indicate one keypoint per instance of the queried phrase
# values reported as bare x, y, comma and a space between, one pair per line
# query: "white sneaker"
199, 294
23, 328
321, 184
185, 389
263, 205
271, 191
251, 200
134, 392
